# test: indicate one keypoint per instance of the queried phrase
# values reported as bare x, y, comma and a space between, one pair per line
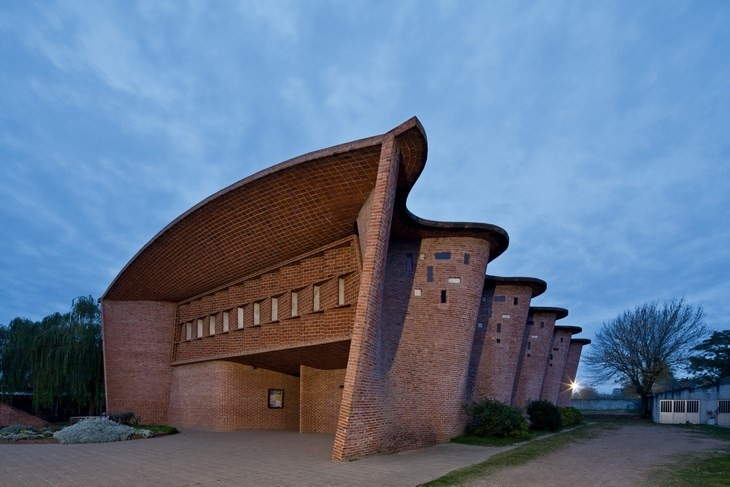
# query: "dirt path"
621, 457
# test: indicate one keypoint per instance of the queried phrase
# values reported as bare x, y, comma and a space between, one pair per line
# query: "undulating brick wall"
226, 396
571, 369
431, 314
320, 399
557, 361
10, 415
533, 359
498, 343
137, 363
362, 426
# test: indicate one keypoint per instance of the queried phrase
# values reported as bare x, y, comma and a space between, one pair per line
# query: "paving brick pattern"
252, 458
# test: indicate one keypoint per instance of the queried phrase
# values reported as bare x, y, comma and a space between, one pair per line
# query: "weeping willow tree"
58, 359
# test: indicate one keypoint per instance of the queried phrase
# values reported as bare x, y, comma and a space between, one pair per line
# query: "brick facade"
313, 278
10, 415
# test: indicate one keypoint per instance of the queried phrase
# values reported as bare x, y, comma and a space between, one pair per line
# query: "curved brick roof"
574, 330
560, 313
538, 285
277, 214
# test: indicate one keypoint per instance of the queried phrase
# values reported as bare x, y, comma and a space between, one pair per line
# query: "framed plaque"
276, 398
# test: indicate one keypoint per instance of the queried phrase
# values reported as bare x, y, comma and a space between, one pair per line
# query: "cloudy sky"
596, 133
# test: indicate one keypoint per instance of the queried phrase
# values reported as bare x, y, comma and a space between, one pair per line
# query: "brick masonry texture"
313, 278
10, 415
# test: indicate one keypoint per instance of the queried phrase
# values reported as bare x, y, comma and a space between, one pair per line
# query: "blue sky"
596, 133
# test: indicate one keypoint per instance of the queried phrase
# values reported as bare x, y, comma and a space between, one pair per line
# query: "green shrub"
570, 416
98, 430
493, 418
15, 432
544, 415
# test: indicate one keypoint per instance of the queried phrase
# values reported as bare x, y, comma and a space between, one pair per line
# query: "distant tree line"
643, 349
57, 359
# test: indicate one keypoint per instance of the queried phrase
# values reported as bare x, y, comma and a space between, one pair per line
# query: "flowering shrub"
98, 430
16, 432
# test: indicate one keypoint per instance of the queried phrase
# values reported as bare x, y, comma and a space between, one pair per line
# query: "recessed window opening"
499, 327
530, 322
200, 327
341, 291
294, 303
256, 314
315, 298
409, 263
443, 295
225, 321
561, 339
516, 301
274, 309
211, 325
188, 331
542, 324
429, 273
467, 257
499, 340
442, 255
499, 299
239, 322
529, 345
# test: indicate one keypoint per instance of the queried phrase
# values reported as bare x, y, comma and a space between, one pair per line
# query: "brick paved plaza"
251, 458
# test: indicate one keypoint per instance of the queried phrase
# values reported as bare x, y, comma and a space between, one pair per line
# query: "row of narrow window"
212, 319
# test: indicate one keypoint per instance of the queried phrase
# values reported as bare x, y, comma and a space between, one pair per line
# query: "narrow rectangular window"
499, 327
315, 298
239, 323
200, 327
429, 273
542, 324
529, 345
443, 295
225, 321
499, 299
551, 356
274, 309
467, 257
561, 339
341, 291
188, 331
409, 263
211, 327
442, 255
256, 314
516, 301
294, 303
530, 322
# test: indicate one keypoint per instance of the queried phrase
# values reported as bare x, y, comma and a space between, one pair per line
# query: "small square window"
200, 327
417, 292
499, 340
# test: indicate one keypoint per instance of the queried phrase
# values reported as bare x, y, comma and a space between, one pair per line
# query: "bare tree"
642, 345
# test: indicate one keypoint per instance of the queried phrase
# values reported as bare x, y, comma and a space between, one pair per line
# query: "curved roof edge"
538, 285
560, 313
409, 136
574, 330
582, 341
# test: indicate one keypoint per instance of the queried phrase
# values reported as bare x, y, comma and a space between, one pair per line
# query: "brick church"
307, 297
